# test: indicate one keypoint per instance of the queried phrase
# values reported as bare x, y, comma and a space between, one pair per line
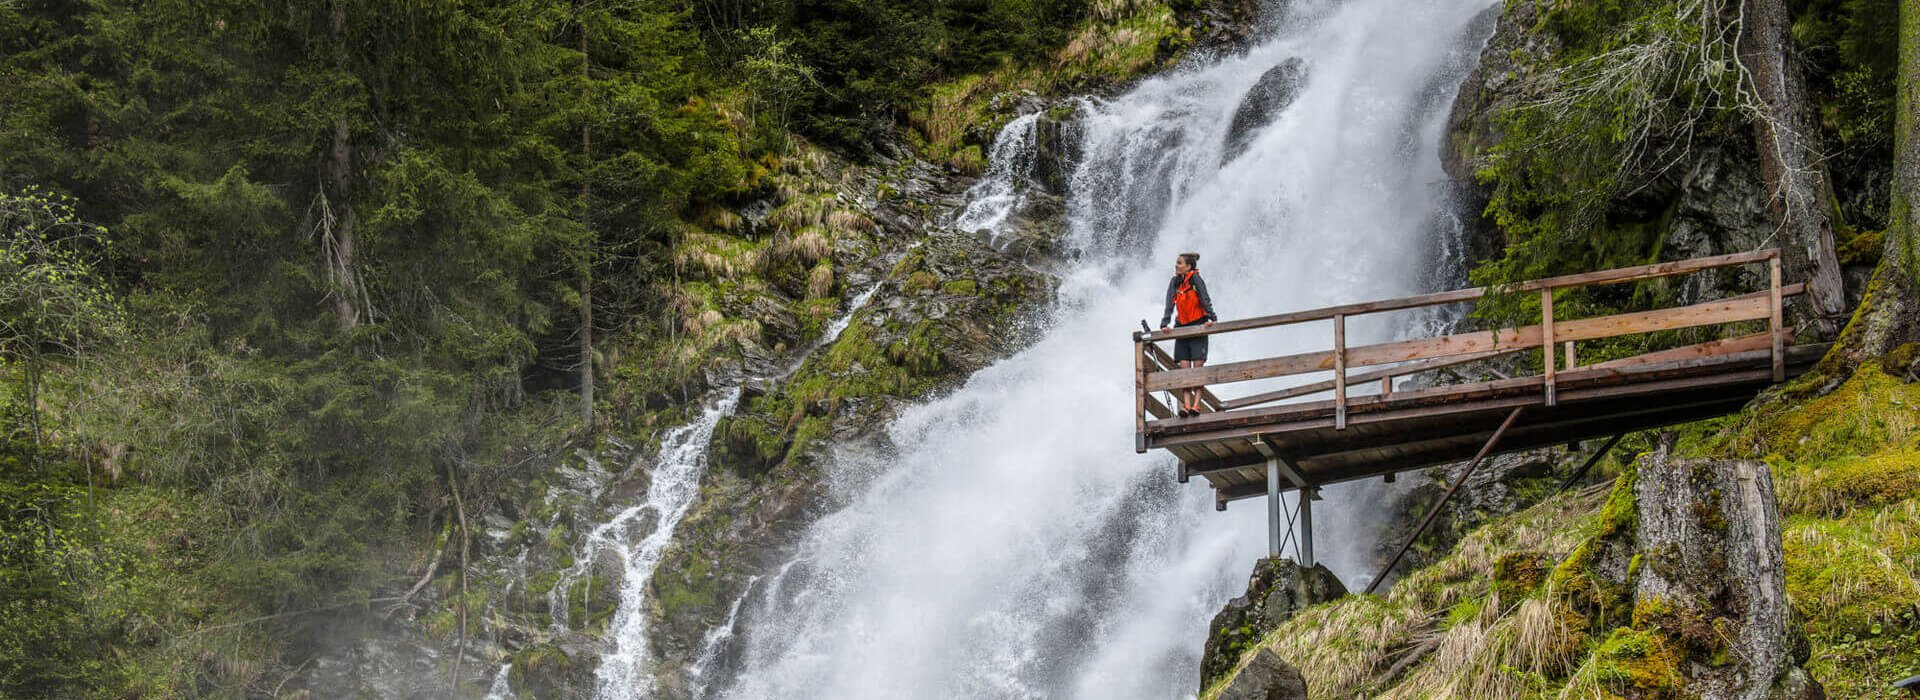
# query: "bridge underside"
1426, 427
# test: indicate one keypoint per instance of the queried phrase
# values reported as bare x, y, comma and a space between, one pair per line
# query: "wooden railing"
1155, 371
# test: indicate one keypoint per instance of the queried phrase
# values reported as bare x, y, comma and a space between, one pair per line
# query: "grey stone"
1266, 677
1277, 590
1264, 102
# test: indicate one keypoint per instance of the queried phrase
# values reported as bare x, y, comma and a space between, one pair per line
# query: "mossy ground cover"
1847, 464
956, 121
1486, 621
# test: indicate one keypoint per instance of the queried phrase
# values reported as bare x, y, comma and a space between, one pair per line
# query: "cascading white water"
1002, 189
638, 536
1013, 545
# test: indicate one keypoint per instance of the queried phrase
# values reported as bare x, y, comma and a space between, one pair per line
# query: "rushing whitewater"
1011, 544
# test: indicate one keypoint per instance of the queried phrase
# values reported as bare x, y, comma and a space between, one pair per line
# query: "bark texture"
1799, 189
586, 219
1903, 231
339, 239
1713, 577
1889, 314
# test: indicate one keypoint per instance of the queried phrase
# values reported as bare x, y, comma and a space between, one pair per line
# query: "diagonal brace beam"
1434, 513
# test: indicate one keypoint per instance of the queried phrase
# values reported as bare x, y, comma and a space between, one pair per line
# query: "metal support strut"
1276, 509
1434, 512
1306, 525
1273, 506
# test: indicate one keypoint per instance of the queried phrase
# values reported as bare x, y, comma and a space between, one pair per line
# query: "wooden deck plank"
1533, 439
1483, 401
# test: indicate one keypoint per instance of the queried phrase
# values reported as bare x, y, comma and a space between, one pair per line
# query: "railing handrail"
1152, 371
1616, 276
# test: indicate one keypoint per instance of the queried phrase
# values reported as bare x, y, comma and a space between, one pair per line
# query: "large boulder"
1278, 589
1270, 96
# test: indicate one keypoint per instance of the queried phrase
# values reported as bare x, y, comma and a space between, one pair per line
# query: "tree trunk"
1889, 314
346, 287
1789, 146
586, 219
1903, 230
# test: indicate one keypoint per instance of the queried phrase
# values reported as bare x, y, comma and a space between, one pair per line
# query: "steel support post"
1306, 525
1273, 506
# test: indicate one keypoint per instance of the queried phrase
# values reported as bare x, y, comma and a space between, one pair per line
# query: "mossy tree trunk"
1799, 189
1903, 230
586, 218
1889, 314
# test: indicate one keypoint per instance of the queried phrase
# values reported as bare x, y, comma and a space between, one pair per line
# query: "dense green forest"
283, 284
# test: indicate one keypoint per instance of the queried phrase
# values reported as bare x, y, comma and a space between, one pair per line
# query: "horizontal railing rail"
1156, 371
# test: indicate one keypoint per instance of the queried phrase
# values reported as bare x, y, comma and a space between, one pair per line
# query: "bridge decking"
1349, 437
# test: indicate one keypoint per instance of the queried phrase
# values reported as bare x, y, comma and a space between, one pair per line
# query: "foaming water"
1011, 543
1002, 189
638, 536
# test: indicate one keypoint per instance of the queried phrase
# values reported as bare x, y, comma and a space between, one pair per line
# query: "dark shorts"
1190, 349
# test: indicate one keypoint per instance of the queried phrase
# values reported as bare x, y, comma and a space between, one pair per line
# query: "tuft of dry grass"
717, 256
1340, 646
718, 218
811, 246
820, 280
849, 221
697, 324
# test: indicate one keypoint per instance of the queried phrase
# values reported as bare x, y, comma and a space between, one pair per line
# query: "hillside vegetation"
290, 294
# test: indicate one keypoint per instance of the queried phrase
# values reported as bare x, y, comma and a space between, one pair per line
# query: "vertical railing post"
1571, 362
1546, 338
1139, 393
1340, 371
1774, 322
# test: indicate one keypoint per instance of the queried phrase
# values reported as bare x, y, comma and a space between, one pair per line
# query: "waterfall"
1012, 544
637, 536
1002, 189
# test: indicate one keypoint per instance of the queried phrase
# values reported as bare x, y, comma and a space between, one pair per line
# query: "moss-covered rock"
1278, 589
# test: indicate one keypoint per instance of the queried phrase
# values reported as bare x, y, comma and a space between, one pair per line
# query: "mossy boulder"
1277, 590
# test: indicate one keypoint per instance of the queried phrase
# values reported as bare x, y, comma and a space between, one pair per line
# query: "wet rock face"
1712, 578
1710, 201
1278, 589
1228, 26
1270, 96
1266, 677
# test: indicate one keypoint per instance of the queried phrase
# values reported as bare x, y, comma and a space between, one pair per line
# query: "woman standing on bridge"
1189, 305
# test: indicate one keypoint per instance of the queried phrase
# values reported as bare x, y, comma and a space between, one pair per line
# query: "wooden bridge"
1255, 445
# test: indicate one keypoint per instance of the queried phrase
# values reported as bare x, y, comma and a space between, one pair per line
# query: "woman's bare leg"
1186, 395
1196, 390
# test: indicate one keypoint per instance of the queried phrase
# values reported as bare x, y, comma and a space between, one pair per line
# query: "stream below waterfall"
1011, 543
